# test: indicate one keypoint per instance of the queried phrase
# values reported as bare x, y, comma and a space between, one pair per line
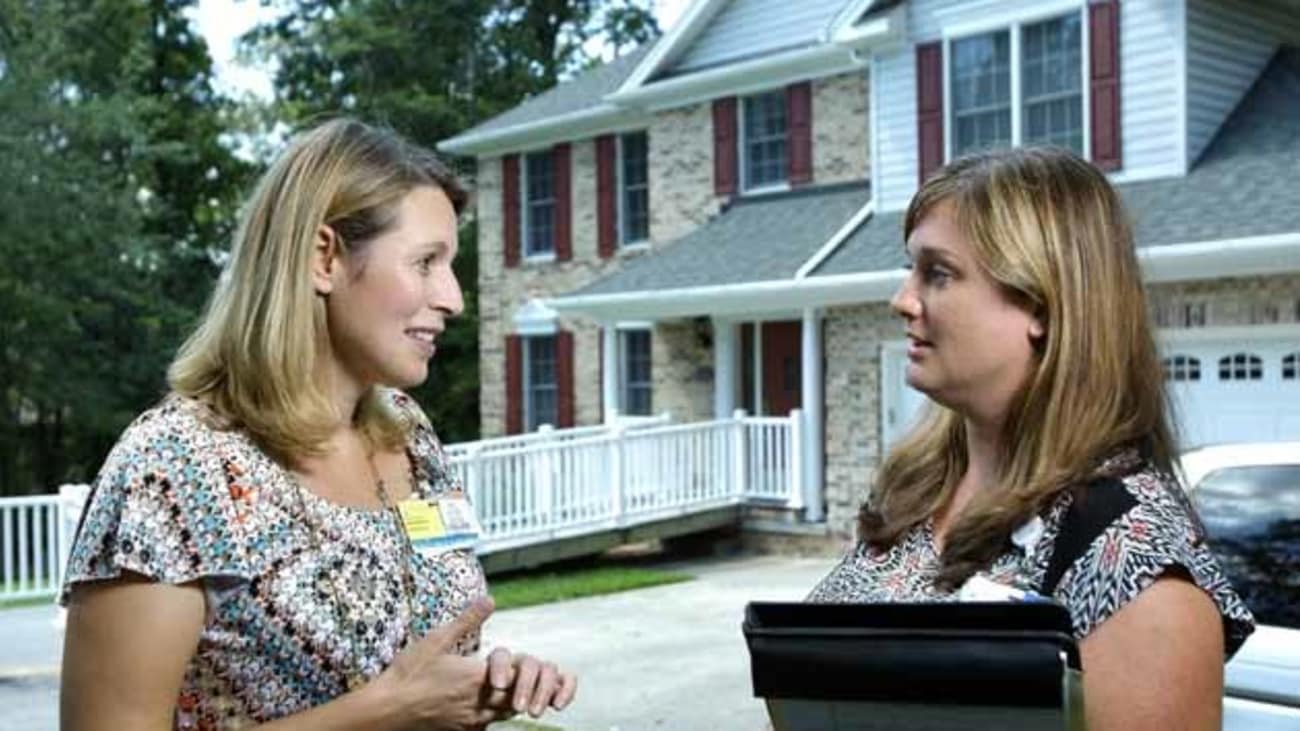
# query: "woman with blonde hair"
1045, 462
251, 554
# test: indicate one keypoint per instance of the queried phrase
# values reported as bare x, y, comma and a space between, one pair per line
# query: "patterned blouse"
294, 606
1156, 534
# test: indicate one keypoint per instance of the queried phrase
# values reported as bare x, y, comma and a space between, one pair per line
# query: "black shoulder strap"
1095, 506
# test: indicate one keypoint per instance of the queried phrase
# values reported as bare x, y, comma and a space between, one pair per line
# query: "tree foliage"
118, 187
114, 192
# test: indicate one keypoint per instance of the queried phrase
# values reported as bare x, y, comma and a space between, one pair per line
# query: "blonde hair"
1052, 232
253, 359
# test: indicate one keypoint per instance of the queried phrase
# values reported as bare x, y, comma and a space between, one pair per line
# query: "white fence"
35, 536
526, 490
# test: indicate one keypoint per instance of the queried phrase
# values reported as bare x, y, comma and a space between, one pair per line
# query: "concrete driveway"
668, 657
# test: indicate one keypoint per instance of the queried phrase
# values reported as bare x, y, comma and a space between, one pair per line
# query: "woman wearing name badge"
253, 552
1045, 465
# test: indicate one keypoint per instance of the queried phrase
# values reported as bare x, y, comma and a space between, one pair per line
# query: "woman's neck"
983, 461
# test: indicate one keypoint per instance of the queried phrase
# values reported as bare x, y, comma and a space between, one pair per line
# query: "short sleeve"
161, 507
426, 448
1158, 535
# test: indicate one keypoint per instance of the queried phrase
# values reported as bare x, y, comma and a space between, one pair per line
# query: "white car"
1248, 496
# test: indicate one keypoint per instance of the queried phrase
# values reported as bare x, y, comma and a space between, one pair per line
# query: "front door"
782, 367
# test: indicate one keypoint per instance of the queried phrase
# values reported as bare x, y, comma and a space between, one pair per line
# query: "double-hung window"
764, 140
541, 389
634, 189
1018, 85
635, 367
539, 204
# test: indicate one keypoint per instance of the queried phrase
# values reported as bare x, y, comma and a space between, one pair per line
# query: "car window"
1252, 515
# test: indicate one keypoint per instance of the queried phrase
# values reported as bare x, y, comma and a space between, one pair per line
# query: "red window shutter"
929, 108
563, 203
606, 196
510, 208
798, 102
724, 146
564, 378
1103, 50
514, 385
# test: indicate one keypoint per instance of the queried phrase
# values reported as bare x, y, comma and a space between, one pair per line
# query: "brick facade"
682, 198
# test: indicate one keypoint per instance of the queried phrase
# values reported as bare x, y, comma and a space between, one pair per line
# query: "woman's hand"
433, 687
522, 683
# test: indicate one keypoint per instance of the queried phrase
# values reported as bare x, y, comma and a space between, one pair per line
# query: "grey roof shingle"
1244, 185
584, 91
757, 239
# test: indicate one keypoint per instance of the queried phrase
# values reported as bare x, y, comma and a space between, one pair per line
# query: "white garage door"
1234, 387
1226, 385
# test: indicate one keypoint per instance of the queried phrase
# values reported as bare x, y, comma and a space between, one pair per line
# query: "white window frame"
1013, 23
619, 191
624, 385
741, 147
545, 256
526, 345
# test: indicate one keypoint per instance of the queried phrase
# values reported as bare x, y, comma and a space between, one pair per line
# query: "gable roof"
618, 95
757, 239
583, 95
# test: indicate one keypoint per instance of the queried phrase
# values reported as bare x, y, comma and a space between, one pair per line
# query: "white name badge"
441, 524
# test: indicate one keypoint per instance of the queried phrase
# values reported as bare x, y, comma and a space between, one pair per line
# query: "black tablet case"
959, 661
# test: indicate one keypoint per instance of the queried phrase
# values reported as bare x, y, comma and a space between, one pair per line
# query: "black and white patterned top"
1156, 534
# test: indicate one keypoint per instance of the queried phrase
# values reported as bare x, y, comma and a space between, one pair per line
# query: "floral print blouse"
296, 604
1157, 534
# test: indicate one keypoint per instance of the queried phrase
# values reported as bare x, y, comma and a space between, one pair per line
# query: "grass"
33, 601
528, 589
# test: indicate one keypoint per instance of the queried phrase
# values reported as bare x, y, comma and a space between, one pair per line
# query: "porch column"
724, 368
609, 372
811, 396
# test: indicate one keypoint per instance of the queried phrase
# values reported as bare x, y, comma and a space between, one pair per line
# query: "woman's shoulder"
165, 504
1129, 526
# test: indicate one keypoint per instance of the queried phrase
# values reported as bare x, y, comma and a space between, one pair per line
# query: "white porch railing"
35, 537
549, 435
526, 490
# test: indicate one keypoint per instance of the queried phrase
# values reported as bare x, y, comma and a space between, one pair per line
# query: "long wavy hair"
255, 357
1052, 233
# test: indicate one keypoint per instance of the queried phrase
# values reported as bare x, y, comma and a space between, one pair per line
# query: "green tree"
430, 70
114, 198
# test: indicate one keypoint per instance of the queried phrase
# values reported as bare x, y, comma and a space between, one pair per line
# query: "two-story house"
714, 221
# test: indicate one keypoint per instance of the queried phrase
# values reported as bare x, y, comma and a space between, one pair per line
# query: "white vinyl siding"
1150, 33
1229, 42
745, 29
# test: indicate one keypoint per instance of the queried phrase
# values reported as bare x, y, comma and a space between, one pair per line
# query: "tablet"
915, 665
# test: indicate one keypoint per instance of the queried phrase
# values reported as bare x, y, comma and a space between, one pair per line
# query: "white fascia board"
743, 77
736, 299
1253, 256
890, 26
846, 17
693, 22
588, 122
1172, 263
